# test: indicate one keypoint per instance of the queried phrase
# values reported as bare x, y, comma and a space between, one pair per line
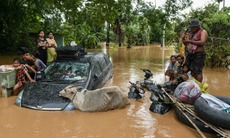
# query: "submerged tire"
198, 123
211, 115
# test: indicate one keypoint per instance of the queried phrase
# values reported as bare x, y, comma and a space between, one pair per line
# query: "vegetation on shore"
125, 22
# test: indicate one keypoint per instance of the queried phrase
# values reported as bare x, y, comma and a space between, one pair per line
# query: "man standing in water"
197, 49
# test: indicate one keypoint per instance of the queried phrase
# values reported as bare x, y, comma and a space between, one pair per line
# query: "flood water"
134, 121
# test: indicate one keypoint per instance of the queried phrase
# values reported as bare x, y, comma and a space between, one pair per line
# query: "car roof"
88, 57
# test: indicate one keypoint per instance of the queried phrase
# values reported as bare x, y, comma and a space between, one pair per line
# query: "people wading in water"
196, 56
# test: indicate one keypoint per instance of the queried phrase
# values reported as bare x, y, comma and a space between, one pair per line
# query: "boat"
198, 123
212, 115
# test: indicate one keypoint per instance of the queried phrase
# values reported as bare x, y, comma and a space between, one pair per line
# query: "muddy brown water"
134, 121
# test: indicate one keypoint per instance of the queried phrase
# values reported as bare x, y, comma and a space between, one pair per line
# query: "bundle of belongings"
161, 104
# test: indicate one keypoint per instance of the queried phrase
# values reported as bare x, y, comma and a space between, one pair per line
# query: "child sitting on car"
39, 65
20, 76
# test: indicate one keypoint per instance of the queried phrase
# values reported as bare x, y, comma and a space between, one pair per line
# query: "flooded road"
134, 121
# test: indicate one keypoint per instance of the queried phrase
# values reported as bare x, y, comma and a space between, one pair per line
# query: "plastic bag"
187, 92
215, 102
203, 86
4, 83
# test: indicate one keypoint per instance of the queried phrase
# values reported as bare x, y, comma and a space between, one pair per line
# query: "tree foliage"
129, 22
217, 24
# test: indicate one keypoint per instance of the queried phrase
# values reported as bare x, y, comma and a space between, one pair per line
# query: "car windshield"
68, 70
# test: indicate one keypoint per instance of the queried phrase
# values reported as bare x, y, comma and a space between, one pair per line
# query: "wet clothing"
42, 50
196, 37
173, 67
196, 62
20, 76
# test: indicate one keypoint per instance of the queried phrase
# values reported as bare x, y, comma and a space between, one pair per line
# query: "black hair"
24, 50
36, 54
18, 59
180, 56
186, 64
49, 32
40, 31
173, 56
188, 31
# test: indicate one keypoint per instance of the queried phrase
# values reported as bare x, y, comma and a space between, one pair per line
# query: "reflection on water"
132, 122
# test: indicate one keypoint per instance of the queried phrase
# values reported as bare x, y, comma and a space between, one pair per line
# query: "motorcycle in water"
136, 91
161, 104
147, 82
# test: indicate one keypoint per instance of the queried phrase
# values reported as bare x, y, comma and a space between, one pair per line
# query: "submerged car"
91, 70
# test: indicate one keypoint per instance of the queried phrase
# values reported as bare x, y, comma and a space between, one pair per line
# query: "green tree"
217, 25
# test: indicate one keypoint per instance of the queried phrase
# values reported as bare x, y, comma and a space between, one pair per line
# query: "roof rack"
70, 52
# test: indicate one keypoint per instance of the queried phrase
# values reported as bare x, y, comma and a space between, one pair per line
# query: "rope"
182, 107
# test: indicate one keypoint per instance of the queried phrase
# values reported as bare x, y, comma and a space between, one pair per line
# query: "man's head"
194, 25
180, 59
26, 55
173, 59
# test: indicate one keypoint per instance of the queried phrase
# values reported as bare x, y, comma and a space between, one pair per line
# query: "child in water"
172, 69
20, 76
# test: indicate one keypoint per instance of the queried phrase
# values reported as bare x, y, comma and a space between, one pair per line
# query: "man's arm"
30, 68
28, 76
201, 42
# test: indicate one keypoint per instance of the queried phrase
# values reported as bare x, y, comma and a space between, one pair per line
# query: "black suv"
90, 70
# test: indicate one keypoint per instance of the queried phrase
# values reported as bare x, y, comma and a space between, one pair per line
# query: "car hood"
45, 96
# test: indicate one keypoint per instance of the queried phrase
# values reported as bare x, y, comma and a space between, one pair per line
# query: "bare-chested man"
197, 49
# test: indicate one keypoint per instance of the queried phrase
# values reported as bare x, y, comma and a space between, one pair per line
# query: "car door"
96, 76
109, 68
106, 67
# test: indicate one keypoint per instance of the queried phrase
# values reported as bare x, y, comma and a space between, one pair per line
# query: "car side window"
103, 63
106, 60
97, 69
